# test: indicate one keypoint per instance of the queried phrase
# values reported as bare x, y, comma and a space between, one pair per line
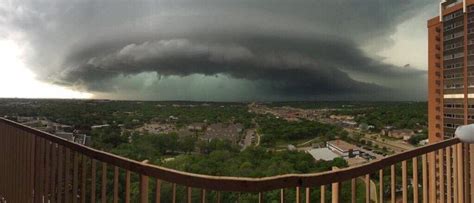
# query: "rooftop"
343, 145
323, 154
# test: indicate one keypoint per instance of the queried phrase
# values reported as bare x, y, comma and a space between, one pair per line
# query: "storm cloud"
298, 49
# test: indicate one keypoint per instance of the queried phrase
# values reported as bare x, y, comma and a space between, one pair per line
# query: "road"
248, 139
307, 142
395, 145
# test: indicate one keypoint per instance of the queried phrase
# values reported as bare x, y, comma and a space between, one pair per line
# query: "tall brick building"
450, 68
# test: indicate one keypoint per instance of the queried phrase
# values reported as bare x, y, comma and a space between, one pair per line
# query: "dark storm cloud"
297, 68
292, 48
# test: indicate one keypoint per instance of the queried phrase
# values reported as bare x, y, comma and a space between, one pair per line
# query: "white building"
323, 154
343, 148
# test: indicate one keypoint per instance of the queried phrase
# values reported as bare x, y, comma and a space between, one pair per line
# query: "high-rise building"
450, 68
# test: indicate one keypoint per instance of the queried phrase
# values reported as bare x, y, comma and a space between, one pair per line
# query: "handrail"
241, 184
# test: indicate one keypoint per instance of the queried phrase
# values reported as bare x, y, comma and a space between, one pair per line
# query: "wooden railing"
39, 167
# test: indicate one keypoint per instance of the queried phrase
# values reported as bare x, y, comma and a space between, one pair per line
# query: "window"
456, 35
454, 86
453, 116
451, 125
453, 106
457, 65
453, 76
454, 45
455, 15
453, 56
453, 25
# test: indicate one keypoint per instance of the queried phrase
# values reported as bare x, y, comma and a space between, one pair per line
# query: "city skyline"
214, 50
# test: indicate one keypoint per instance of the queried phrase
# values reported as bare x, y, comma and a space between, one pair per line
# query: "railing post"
367, 188
61, 183
404, 182
282, 195
189, 197
467, 195
455, 174
432, 176
144, 187
158, 191
441, 175
415, 179
460, 174
84, 179
93, 180
298, 198
33, 166
392, 183
449, 176
308, 195
323, 193
424, 178
103, 196
75, 176
127, 186
203, 196
116, 184
471, 171
353, 190
335, 189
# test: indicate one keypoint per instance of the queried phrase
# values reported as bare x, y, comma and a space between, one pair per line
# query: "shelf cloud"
300, 49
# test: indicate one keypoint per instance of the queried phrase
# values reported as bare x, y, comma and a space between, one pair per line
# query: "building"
223, 131
404, 134
348, 124
386, 129
343, 148
322, 154
196, 127
450, 68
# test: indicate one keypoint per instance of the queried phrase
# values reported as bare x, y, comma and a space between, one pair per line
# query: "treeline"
153, 147
252, 162
398, 114
85, 113
274, 129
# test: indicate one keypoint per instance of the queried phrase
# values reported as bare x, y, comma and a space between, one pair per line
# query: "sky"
215, 50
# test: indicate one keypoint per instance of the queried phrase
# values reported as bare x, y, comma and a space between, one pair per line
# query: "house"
349, 124
343, 148
342, 117
386, 129
401, 134
196, 126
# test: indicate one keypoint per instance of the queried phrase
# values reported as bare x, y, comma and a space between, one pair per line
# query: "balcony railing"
39, 167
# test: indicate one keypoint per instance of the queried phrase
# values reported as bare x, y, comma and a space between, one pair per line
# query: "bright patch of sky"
16, 80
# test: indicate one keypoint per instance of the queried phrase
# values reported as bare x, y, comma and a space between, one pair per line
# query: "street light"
465, 133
